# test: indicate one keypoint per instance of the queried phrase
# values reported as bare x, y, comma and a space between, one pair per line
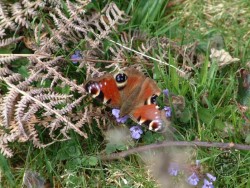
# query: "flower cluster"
168, 110
136, 132
173, 169
193, 179
207, 183
119, 119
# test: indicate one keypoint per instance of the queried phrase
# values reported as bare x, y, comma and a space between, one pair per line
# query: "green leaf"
70, 150
6, 171
24, 71
110, 148
121, 147
186, 116
165, 28
93, 161
73, 180
89, 161
205, 115
173, 73
73, 163
219, 124
63, 90
204, 72
5, 50
151, 137
244, 88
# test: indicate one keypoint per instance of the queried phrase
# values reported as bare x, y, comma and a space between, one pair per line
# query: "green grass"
211, 112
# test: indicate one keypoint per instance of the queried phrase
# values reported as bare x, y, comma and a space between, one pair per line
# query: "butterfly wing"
150, 116
140, 95
105, 90
119, 90
133, 93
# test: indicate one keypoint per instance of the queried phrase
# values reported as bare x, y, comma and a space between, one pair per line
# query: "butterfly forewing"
105, 90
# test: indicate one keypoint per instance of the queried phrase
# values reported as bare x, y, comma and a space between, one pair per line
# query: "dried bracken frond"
6, 21
8, 41
7, 107
7, 59
185, 55
75, 28
28, 104
5, 71
20, 109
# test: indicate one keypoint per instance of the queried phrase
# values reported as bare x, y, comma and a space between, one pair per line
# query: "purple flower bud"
211, 177
193, 179
173, 169
207, 184
116, 113
166, 92
136, 132
76, 56
168, 111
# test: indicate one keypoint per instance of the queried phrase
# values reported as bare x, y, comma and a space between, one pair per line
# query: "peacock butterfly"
133, 93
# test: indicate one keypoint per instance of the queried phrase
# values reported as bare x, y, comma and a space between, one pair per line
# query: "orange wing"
105, 90
151, 116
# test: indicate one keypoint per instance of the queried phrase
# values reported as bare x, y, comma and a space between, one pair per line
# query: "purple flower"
211, 177
76, 56
193, 179
207, 184
136, 132
173, 169
119, 119
166, 92
168, 111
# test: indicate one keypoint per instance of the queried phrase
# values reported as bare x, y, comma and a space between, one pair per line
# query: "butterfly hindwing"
150, 116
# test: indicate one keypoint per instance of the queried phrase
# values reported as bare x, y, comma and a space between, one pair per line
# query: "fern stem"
25, 55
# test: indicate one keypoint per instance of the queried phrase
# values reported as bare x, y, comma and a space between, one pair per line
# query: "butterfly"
133, 93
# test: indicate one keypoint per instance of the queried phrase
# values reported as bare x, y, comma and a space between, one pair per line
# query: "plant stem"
174, 143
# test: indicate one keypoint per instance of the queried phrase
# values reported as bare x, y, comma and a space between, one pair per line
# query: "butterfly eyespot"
155, 125
93, 88
121, 77
121, 80
151, 100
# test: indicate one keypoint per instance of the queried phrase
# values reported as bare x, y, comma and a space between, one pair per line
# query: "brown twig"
173, 143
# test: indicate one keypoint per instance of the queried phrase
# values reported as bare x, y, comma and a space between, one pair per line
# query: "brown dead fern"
28, 104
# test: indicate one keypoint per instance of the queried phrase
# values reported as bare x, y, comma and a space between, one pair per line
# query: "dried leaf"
222, 57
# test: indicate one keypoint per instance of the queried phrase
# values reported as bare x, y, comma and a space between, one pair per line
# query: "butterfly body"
131, 92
